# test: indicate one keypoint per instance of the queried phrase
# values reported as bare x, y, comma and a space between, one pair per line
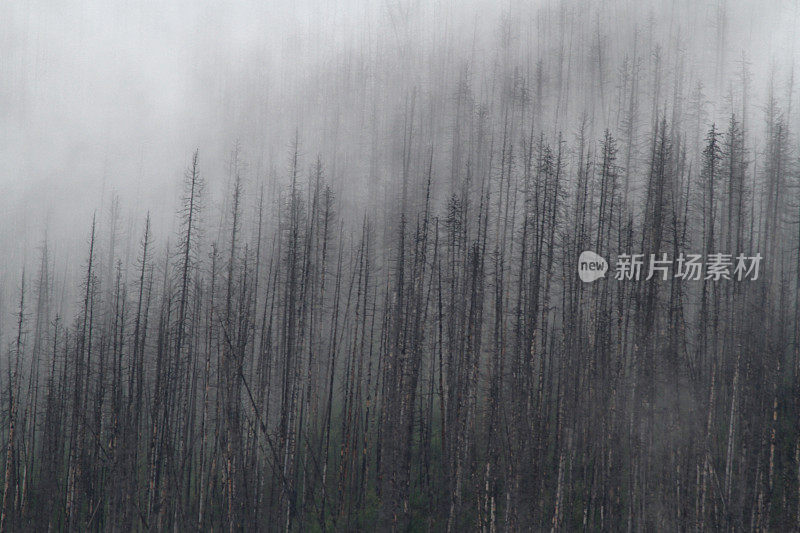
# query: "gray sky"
98, 98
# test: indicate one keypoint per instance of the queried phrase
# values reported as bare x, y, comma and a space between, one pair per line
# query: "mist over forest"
314, 266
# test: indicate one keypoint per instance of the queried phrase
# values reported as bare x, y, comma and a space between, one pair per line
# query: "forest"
369, 317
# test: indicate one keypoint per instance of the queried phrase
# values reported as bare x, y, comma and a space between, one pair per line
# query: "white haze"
110, 98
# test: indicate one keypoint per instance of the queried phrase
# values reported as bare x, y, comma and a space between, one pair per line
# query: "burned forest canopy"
308, 268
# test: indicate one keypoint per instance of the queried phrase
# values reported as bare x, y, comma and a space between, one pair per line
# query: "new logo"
591, 266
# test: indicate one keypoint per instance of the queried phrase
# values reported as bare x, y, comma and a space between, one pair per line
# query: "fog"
103, 98
311, 265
